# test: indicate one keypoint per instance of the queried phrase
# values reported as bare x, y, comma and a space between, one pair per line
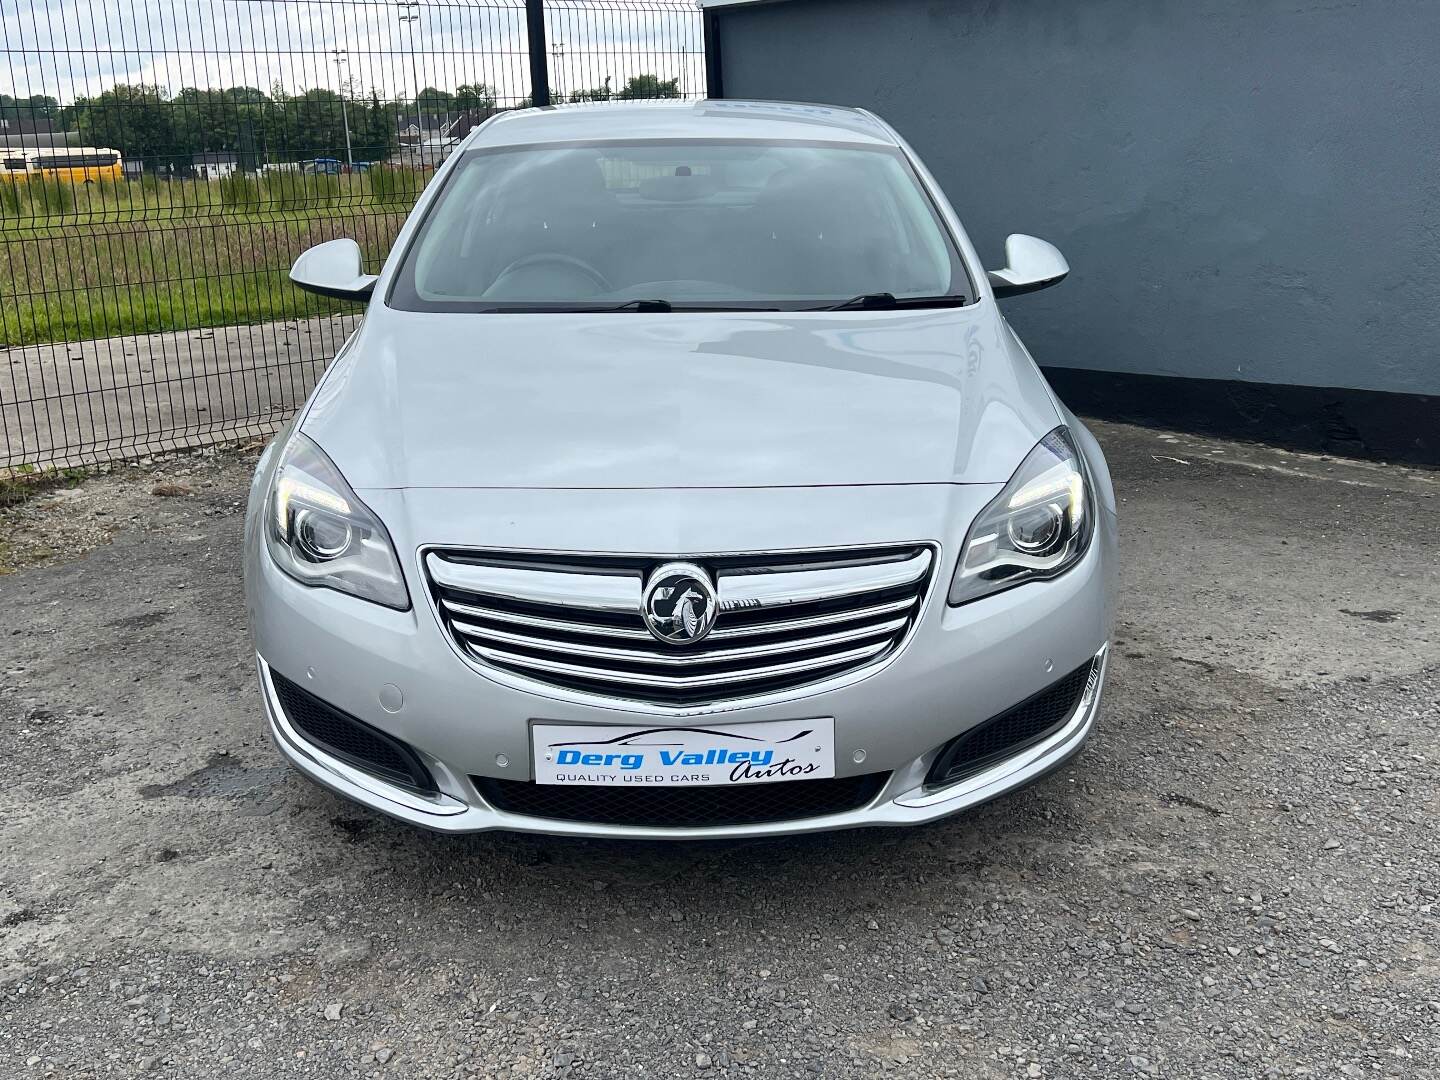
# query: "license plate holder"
697, 754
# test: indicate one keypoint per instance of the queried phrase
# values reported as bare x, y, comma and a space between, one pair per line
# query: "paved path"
79, 402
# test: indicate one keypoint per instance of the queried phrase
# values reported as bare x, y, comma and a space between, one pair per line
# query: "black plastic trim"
967, 753
392, 760
1372, 424
684, 807
354, 296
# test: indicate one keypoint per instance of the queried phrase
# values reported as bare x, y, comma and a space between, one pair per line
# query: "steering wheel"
528, 262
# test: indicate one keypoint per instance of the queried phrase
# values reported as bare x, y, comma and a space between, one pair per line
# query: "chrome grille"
784, 620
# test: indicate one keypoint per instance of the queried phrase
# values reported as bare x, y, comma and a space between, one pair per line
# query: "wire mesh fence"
162, 162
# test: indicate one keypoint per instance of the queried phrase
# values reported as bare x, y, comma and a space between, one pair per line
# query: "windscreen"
700, 224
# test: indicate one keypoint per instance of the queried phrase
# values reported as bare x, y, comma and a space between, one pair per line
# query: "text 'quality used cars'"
682, 479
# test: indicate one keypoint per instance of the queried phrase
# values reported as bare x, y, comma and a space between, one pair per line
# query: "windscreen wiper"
885, 301
641, 305
669, 305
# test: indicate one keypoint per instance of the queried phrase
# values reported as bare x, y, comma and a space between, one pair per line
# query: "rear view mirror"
1031, 264
333, 269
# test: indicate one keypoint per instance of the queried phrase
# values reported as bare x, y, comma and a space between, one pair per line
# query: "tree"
376, 137
649, 86
475, 97
135, 119
318, 128
433, 102
595, 93
34, 107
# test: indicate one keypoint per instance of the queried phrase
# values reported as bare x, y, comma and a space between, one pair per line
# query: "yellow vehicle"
78, 164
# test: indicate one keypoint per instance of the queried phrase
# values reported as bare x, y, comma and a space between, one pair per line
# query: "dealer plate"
684, 754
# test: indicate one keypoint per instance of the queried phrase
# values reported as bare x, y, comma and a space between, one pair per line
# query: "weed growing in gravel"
28, 482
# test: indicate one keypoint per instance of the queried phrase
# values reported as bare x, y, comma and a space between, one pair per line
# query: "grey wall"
1246, 189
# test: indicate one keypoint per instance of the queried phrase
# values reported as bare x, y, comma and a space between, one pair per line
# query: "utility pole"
342, 58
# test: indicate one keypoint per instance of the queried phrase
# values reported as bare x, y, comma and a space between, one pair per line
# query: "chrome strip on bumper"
447, 813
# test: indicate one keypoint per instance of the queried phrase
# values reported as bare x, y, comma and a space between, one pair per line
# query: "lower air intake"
683, 807
1014, 730
352, 741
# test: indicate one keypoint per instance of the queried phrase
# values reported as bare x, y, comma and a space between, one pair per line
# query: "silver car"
682, 480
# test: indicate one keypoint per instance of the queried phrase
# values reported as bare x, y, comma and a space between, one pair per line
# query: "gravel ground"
1238, 878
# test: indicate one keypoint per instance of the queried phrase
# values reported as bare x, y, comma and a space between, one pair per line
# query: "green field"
130, 257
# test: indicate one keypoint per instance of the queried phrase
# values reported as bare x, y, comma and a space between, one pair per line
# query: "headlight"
319, 533
1037, 527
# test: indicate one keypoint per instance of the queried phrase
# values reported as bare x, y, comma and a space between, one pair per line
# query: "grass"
240, 191
136, 277
390, 186
305, 191
136, 257
12, 198
41, 202
49, 196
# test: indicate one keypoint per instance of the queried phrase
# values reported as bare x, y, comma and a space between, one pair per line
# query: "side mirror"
1031, 264
333, 269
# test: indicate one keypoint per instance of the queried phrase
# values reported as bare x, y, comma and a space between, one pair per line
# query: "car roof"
718, 119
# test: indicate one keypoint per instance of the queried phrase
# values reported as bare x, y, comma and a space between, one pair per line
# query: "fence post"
539, 57
714, 64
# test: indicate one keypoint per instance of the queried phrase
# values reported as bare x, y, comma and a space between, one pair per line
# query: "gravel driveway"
1240, 877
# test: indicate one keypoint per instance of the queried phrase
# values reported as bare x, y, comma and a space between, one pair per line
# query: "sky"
69, 48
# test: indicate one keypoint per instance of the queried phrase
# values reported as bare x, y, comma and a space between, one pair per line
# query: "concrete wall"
1246, 189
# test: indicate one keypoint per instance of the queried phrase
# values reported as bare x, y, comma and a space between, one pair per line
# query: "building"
1245, 189
412, 129
37, 133
214, 166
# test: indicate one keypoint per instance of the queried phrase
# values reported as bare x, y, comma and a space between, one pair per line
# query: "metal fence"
162, 162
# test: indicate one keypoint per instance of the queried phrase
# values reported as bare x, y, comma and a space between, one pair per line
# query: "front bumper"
458, 807
398, 672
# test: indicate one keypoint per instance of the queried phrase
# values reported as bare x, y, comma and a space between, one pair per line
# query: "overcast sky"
67, 48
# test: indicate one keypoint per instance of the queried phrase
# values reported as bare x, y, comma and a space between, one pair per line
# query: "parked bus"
78, 164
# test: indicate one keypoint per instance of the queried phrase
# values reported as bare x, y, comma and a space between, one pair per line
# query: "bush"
392, 186
240, 191
49, 195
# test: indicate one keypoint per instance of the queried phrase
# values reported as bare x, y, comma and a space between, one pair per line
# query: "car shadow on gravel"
522, 872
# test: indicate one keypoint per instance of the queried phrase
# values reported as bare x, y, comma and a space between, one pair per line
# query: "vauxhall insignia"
679, 603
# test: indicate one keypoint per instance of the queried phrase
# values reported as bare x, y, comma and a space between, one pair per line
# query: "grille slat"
558, 625
674, 659
788, 625
740, 590
681, 682
784, 620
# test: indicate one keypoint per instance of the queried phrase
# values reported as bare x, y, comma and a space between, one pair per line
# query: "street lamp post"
409, 15
341, 58
557, 50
